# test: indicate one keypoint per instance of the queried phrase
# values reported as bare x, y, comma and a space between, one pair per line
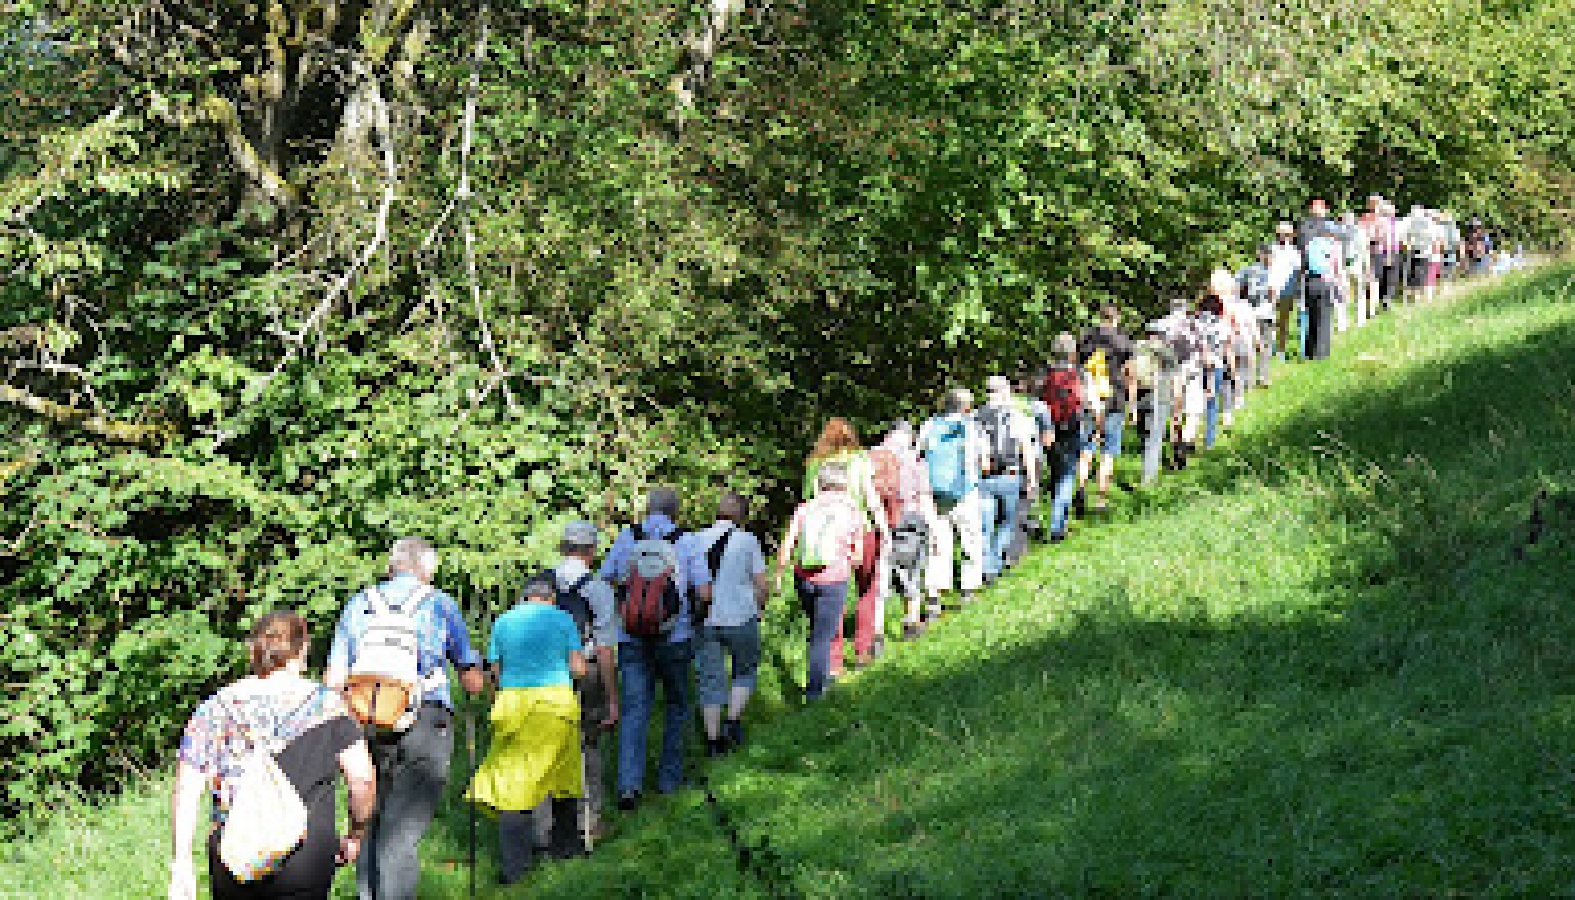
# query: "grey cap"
997, 386
541, 584
1063, 345
580, 533
1178, 305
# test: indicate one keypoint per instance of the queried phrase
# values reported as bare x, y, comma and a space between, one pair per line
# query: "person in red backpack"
656, 554
1063, 394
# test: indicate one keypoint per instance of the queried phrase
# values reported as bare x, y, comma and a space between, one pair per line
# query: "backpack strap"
718, 549
374, 599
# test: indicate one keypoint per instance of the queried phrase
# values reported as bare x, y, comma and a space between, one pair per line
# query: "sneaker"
1057, 537
878, 649
965, 598
715, 747
733, 730
912, 631
628, 801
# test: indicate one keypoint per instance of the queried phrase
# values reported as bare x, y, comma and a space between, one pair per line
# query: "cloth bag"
266, 821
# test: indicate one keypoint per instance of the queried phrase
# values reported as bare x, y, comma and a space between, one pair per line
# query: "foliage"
286, 286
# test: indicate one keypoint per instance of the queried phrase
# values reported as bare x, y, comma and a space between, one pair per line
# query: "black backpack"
996, 422
910, 540
572, 600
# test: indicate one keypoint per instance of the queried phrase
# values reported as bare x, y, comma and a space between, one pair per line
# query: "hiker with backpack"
269, 750
390, 655
822, 544
954, 453
1011, 467
1030, 401
1285, 274
1190, 393
904, 487
730, 628
659, 573
1214, 333
535, 654
591, 602
1064, 395
1256, 287
1105, 353
1322, 253
839, 443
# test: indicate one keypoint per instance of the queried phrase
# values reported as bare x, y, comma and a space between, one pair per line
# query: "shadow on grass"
1404, 730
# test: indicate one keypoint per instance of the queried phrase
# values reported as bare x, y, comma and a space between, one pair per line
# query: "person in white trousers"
965, 514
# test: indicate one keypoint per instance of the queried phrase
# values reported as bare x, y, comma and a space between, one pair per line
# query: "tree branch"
110, 429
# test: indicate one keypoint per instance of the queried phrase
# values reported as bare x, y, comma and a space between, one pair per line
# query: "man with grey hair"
643, 662
413, 764
1012, 467
954, 454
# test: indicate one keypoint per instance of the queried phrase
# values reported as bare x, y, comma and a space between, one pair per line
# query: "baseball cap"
580, 533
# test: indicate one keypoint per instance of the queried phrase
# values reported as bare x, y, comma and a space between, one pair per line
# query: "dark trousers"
824, 604
1320, 316
412, 771
517, 837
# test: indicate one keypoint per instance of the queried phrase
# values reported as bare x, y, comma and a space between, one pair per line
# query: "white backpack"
266, 820
823, 532
385, 686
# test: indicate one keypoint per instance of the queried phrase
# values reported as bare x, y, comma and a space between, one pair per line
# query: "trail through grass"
1319, 663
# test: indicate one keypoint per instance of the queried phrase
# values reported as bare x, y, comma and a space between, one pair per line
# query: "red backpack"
1063, 393
651, 601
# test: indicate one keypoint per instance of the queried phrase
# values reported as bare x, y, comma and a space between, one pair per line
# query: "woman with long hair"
307, 729
839, 443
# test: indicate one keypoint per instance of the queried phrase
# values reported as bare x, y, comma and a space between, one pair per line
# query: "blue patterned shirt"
442, 635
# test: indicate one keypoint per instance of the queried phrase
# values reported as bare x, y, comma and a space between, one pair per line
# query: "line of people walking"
928, 516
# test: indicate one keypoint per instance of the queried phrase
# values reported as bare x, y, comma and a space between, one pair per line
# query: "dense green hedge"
869, 201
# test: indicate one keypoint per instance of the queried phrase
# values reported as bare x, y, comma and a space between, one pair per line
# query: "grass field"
1321, 663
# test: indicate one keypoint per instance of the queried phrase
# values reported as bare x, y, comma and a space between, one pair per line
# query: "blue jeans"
1000, 494
1063, 470
825, 604
742, 643
1211, 415
641, 665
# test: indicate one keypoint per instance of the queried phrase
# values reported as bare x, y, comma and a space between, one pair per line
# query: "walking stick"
470, 746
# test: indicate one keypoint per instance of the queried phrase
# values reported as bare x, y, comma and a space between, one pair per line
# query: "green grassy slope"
1313, 665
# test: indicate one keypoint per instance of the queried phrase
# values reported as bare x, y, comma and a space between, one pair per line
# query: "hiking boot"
628, 801
878, 649
965, 599
912, 631
715, 747
1057, 537
733, 731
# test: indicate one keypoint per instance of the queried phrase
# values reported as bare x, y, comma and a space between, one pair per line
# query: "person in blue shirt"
642, 663
412, 765
534, 756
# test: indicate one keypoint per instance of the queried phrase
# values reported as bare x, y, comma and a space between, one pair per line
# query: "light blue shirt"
692, 572
531, 644
441, 633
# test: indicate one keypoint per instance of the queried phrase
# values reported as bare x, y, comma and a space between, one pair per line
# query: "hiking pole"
470, 747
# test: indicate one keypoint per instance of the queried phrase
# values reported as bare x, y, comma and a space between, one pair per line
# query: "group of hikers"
929, 515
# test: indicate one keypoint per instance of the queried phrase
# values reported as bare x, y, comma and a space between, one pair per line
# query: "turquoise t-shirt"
531, 645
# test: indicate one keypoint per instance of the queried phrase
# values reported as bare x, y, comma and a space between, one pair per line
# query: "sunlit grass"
1313, 665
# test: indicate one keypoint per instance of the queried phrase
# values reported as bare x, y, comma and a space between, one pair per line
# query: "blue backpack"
1321, 254
946, 455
